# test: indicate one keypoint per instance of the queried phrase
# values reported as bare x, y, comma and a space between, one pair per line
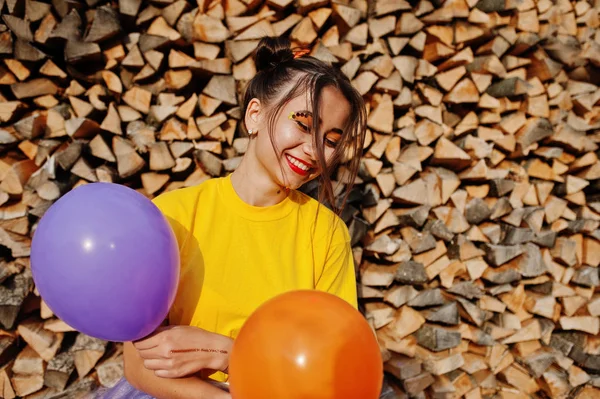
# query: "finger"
167, 374
173, 372
157, 352
148, 342
158, 364
154, 338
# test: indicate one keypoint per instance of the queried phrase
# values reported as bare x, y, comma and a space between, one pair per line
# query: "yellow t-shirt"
235, 256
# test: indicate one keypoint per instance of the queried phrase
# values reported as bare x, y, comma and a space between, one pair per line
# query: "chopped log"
6, 389
221, 88
498, 255
465, 91
160, 157
138, 99
303, 33
83, 170
436, 338
129, 8
419, 242
69, 154
587, 324
427, 298
82, 108
19, 27
148, 42
153, 182
112, 81
59, 370
104, 26
381, 118
57, 325
99, 148
35, 10
81, 128
410, 273
128, 160
68, 28
446, 314
176, 80
95, 93
112, 121
110, 371
134, 58
16, 176
209, 29
449, 155
51, 69
44, 342
406, 322
34, 88
160, 27
86, 352
80, 51
28, 370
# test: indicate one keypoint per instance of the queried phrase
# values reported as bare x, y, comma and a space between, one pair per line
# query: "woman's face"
293, 160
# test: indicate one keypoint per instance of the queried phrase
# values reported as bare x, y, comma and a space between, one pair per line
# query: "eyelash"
302, 126
330, 143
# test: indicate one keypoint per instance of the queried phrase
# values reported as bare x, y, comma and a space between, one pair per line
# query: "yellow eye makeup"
304, 120
299, 115
333, 136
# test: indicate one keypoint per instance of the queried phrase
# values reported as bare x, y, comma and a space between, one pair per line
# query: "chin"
293, 180
291, 183
299, 183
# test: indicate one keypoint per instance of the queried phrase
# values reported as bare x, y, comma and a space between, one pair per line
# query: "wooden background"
476, 217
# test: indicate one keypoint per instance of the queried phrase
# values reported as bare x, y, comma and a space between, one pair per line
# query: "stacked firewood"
476, 218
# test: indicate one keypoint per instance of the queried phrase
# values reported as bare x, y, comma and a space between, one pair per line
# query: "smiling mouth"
298, 166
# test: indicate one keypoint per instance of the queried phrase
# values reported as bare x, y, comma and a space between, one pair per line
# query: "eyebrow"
335, 129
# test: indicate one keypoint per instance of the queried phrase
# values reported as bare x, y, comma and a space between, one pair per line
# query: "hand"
179, 351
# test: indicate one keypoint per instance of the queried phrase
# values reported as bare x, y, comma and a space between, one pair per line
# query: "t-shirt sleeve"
338, 277
169, 205
172, 209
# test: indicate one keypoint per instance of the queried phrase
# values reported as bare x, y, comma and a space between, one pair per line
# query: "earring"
251, 132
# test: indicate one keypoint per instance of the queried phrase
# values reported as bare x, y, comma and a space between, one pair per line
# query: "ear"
254, 114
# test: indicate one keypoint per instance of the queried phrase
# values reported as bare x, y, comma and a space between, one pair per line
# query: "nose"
309, 149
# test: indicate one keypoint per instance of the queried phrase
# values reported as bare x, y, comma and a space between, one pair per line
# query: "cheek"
284, 139
264, 144
271, 151
329, 153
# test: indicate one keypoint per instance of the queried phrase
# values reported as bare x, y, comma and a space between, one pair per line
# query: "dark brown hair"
281, 77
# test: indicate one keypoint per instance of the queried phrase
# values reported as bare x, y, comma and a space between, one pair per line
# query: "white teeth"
298, 163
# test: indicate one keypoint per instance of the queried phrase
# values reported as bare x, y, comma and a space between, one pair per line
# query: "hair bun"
271, 52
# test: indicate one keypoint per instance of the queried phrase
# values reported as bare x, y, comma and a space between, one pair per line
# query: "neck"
253, 184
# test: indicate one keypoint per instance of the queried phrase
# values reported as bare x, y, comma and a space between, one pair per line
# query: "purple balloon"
106, 261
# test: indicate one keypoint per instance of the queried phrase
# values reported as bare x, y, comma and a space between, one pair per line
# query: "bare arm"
166, 388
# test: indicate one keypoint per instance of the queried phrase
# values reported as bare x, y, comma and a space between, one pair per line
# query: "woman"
250, 236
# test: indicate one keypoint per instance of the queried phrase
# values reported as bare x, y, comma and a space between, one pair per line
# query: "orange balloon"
305, 345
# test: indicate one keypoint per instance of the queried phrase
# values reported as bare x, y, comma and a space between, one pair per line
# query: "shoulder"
184, 199
326, 224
